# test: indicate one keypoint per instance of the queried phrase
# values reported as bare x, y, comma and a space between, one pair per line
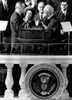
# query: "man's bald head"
48, 10
41, 6
19, 7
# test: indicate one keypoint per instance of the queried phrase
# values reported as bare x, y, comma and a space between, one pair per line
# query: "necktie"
63, 17
41, 16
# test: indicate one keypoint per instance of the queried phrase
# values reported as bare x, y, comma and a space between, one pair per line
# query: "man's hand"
45, 27
37, 22
26, 19
62, 32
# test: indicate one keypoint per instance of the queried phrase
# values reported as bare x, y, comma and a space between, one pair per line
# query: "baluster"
9, 82
22, 92
64, 69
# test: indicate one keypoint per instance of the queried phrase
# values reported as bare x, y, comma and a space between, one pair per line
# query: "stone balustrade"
23, 61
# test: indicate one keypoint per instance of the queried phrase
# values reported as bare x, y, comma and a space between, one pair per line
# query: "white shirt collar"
64, 12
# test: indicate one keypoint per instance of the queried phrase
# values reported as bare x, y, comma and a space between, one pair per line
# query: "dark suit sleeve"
53, 25
17, 23
53, 28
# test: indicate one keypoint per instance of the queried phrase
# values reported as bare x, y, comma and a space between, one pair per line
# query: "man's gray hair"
49, 8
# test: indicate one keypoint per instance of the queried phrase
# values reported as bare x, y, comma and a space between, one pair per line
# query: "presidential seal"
44, 82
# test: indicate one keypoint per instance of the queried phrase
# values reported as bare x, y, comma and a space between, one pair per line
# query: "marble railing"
23, 61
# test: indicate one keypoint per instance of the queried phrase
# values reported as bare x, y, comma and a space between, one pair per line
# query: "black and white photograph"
35, 27
36, 49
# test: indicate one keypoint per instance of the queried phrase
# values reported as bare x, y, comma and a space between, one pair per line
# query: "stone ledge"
27, 99
16, 59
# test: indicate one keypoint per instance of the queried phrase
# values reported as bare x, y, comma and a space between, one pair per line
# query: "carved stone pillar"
9, 82
64, 69
22, 92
